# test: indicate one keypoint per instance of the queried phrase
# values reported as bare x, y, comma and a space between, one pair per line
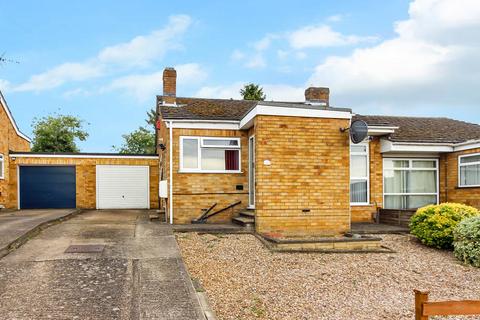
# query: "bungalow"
291, 169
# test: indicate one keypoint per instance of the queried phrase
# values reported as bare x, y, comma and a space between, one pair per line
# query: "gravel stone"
244, 280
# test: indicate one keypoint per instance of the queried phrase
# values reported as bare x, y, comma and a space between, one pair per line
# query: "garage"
47, 187
122, 187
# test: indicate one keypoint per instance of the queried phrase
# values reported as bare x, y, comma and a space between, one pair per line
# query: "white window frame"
460, 185
367, 178
200, 145
410, 168
2, 166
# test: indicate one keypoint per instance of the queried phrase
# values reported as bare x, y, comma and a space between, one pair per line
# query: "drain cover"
85, 248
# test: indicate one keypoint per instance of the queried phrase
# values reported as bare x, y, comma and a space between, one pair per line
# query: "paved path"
138, 275
16, 225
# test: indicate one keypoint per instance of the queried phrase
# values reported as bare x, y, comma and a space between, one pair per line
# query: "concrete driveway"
139, 274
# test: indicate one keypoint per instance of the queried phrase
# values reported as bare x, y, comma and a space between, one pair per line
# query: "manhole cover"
85, 248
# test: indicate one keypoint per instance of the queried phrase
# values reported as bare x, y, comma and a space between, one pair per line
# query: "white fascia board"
203, 124
473, 144
389, 146
10, 117
27, 155
380, 130
246, 122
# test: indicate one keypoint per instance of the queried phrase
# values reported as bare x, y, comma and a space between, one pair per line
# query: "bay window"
410, 183
469, 170
359, 172
209, 154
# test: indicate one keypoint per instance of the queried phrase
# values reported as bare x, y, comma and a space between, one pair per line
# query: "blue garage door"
47, 187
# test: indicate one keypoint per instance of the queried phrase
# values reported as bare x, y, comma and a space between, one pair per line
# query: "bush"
466, 241
433, 225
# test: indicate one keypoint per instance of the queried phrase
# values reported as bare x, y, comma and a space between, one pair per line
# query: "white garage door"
123, 187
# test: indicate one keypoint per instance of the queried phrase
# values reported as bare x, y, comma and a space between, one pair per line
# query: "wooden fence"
425, 308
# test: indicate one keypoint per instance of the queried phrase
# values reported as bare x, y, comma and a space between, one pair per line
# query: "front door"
251, 172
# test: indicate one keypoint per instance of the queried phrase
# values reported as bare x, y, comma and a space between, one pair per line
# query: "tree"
252, 91
57, 133
142, 140
151, 118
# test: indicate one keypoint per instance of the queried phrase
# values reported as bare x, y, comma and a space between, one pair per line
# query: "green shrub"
466, 242
433, 225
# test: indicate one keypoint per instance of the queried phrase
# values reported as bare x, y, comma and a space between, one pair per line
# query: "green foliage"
252, 91
151, 118
57, 133
140, 141
433, 225
466, 241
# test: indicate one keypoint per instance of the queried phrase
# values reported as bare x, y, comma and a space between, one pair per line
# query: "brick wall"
364, 213
309, 170
9, 140
85, 177
195, 191
452, 193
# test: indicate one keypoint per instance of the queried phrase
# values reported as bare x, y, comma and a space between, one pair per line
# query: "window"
2, 166
469, 170
359, 171
202, 154
410, 183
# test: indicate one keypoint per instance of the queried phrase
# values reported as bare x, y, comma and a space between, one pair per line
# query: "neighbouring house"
32, 180
293, 165
11, 138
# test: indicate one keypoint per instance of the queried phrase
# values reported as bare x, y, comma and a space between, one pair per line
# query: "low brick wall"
396, 217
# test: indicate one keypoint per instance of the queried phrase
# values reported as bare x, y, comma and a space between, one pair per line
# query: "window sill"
467, 187
366, 204
207, 171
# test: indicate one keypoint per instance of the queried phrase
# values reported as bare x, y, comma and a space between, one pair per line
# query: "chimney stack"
317, 96
169, 85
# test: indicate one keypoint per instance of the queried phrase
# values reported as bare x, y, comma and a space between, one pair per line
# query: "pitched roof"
223, 109
425, 130
206, 109
4, 104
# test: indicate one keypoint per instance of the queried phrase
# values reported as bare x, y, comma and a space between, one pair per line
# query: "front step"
246, 218
244, 221
249, 213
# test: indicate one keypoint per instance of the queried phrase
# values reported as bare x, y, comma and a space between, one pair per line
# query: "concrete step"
248, 213
244, 221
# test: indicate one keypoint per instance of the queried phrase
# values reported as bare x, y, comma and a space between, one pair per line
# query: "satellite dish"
358, 131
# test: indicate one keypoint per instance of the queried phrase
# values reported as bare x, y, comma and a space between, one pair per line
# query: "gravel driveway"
244, 280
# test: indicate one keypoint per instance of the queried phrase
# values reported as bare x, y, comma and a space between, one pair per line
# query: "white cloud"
59, 75
237, 55
277, 92
283, 92
335, 18
322, 36
432, 61
314, 36
144, 86
256, 61
4, 85
140, 51
220, 92
76, 92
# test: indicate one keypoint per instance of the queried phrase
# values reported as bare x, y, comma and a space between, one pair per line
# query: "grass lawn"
244, 280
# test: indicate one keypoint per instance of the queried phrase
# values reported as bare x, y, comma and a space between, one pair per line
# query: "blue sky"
102, 60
